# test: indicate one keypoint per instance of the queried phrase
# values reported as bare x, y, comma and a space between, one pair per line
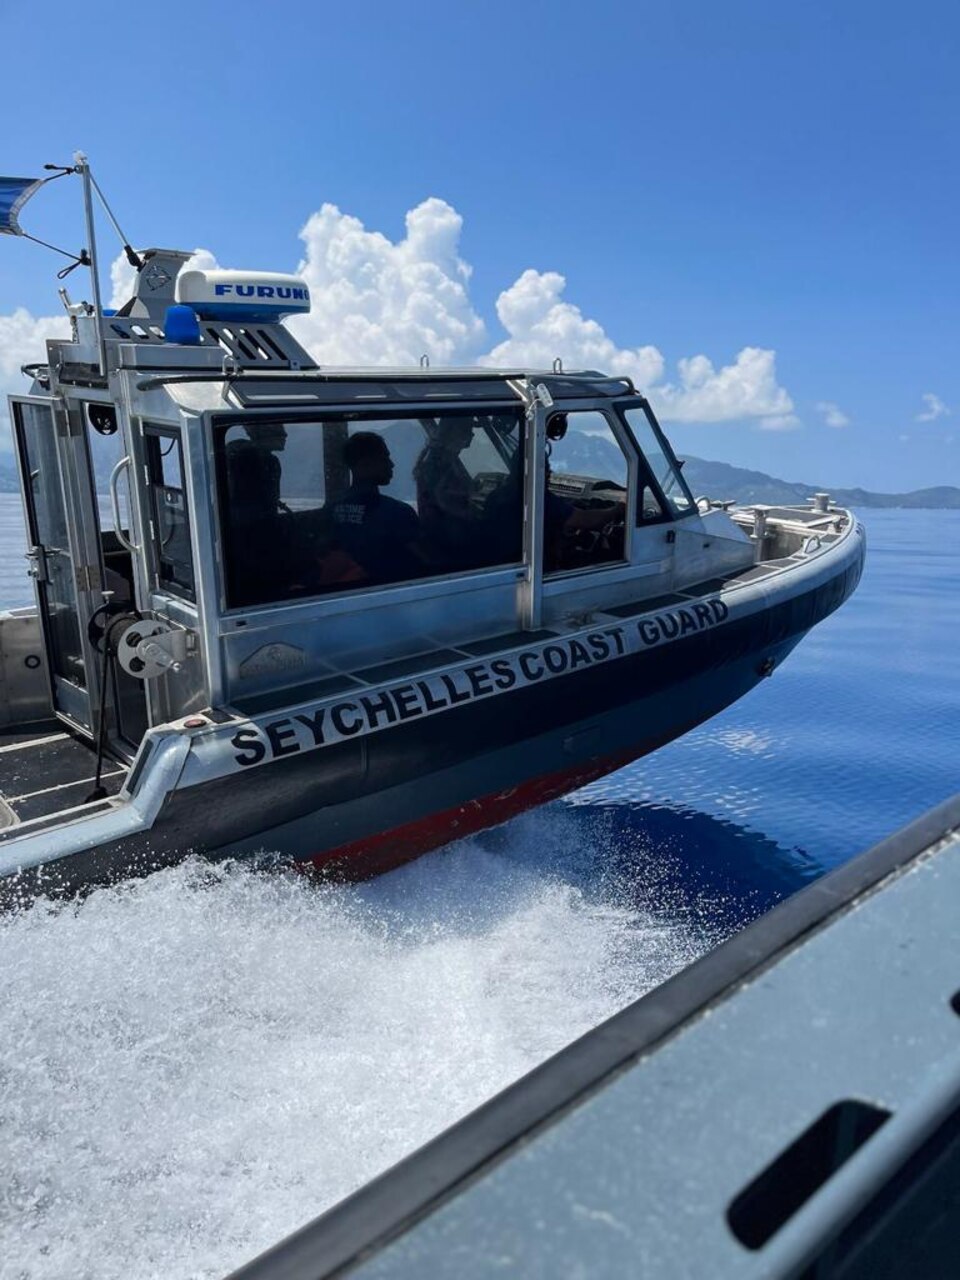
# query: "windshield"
661, 460
309, 506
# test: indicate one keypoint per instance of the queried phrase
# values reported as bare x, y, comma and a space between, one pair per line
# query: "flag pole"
83, 168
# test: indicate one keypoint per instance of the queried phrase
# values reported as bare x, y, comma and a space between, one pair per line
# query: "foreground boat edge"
391, 1221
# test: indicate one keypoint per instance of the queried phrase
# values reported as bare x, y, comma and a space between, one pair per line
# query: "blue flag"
14, 194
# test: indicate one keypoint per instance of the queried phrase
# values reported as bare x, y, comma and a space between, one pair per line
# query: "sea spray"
194, 1064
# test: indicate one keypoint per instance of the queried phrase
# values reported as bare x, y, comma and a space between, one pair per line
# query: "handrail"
115, 504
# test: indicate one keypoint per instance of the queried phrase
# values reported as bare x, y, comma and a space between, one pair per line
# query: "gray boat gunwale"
354, 1230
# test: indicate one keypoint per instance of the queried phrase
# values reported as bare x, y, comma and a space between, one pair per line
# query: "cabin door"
57, 563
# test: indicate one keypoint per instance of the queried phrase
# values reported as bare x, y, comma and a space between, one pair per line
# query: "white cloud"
542, 327
22, 341
23, 336
380, 302
376, 302
122, 276
780, 422
747, 388
935, 408
832, 414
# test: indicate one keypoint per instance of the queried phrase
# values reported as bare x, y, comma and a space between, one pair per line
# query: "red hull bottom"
388, 849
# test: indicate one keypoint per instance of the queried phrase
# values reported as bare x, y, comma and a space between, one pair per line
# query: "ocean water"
194, 1064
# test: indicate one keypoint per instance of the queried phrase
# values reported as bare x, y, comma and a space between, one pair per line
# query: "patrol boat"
343, 616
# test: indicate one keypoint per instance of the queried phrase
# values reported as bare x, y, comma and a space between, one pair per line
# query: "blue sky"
706, 177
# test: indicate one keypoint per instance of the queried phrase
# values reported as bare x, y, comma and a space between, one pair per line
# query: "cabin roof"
292, 389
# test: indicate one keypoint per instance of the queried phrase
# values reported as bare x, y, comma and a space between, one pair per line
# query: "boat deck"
44, 770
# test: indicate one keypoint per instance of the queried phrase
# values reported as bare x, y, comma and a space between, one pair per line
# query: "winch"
147, 649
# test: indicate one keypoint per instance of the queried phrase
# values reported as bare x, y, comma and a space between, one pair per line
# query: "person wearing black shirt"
381, 534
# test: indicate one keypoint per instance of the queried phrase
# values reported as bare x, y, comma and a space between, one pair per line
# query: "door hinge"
88, 578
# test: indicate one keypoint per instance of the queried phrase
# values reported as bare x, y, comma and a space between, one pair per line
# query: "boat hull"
382, 851
362, 806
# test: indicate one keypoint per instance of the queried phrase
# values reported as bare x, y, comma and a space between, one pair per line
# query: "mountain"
592, 455
720, 480
715, 479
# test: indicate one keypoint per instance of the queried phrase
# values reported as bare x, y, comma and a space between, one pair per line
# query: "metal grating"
253, 346
266, 346
125, 329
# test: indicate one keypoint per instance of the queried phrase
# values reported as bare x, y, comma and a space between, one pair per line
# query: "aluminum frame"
76, 706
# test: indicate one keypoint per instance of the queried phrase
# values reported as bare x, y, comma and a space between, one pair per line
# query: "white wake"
195, 1064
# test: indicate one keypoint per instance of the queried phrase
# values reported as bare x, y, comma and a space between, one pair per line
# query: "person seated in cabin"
573, 535
376, 532
254, 472
448, 499
257, 516
501, 518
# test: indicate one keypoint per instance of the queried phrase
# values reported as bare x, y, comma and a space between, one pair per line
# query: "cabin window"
169, 515
346, 502
661, 462
586, 493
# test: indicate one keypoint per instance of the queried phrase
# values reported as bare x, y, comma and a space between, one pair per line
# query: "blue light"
180, 325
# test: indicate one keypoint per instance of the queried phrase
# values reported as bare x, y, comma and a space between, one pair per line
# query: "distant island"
720, 480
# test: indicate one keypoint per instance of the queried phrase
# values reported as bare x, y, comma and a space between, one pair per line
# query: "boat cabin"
281, 531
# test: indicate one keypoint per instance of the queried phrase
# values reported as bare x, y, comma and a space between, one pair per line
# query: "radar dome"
262, 296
